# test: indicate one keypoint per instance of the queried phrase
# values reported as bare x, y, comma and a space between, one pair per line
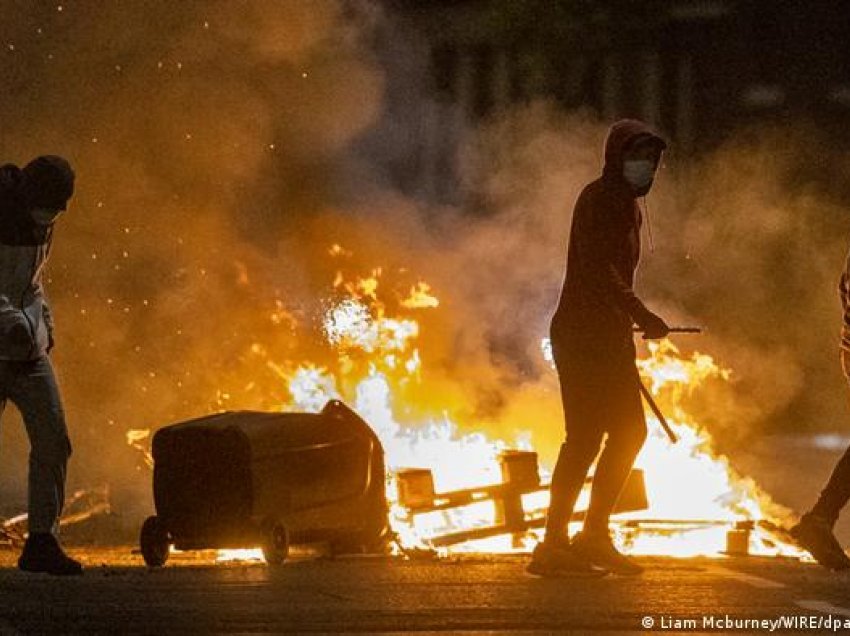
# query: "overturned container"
248, 479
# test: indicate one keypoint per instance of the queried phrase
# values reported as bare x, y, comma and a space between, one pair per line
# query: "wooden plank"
456, 498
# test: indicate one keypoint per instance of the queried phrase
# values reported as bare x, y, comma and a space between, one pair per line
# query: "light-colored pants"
31, 386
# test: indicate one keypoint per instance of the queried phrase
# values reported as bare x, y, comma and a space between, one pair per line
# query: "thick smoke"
757, 241
220, 153
205, 136
750, 240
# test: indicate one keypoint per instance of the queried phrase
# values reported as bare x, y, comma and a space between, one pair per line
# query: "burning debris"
451, 491
708, 508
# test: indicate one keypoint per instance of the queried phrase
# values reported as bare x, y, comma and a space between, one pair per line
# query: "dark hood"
48, 182
620, 136
10, 179
11, 199
16, 224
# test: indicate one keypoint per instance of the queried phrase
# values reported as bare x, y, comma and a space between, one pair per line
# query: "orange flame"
692, 490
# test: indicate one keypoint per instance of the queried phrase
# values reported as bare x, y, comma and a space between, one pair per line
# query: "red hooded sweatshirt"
598, 305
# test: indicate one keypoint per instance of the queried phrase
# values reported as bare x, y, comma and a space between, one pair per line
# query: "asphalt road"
491, 595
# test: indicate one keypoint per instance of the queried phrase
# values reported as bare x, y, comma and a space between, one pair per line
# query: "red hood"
620, 136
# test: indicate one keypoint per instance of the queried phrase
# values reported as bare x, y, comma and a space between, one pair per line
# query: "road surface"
470, 594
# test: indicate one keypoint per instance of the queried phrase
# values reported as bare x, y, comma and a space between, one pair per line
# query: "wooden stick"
675, 329
661, 419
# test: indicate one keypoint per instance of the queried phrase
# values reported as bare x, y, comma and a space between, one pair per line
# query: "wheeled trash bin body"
248, 479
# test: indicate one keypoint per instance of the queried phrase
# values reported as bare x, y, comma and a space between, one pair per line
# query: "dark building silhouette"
697, 69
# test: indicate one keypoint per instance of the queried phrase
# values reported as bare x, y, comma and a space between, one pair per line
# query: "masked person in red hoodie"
30, 201
594, 352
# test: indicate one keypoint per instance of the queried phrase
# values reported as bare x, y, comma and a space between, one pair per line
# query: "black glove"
654, 328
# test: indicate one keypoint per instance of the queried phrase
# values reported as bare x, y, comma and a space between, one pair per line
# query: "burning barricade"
450, 491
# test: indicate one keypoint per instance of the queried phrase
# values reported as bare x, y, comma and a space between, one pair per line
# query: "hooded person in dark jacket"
594, 352
30, 201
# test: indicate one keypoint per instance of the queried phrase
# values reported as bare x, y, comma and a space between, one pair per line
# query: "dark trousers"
601, 401
836, 493
31, 386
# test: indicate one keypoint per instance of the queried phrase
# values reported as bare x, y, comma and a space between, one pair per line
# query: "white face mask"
44, 216
639, 172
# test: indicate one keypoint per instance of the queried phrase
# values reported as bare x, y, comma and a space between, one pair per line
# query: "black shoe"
42, 553
600, 551
557, 559
815, 535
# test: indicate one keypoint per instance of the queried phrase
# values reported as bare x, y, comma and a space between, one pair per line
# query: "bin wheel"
155, 542
275, 542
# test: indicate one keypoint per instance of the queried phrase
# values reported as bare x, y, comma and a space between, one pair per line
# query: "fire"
240, 555
420, 297
135, 437
695, 498
687, 482
377, 355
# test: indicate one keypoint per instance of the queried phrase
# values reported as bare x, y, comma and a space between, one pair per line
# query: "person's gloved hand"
654, 327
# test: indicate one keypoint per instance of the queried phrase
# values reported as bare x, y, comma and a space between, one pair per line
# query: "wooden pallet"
520, 475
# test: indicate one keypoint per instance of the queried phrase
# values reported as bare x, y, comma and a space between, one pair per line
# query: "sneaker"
42, 553
814, 534
600, 551
551, 559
